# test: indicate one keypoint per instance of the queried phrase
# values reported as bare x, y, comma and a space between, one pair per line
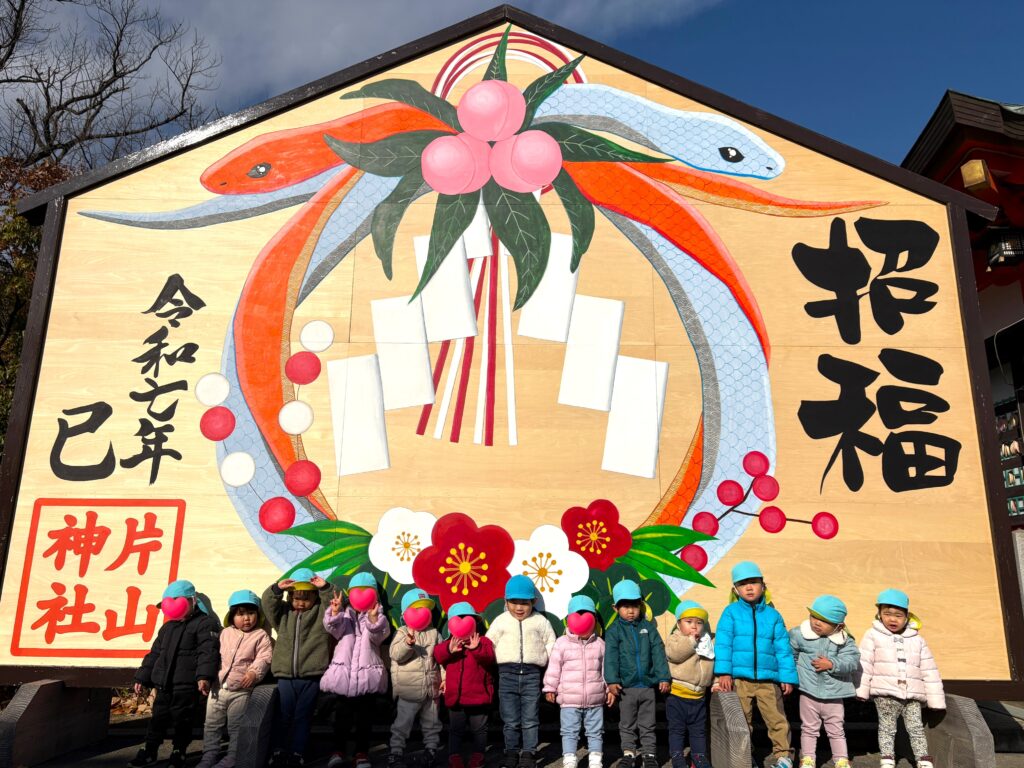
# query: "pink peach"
492, 110
526, 162
454, 165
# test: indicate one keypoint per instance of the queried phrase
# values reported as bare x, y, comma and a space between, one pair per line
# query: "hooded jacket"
303, 646
242, 652
576, 671
469, 674
691, 667
522, 642
752, 643
899, 665
634, 654
415, 675
357, 667
183, 653
839, 648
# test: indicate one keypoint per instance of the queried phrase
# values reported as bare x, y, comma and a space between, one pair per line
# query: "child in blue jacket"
753, 655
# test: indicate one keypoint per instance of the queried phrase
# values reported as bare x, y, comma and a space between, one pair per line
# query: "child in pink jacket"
899, 673
245, 654
357, 674
575, 680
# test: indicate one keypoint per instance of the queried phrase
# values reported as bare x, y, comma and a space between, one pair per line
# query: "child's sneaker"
595, 760
455, 761
527, 760
842, 762
336, 760
925, 762
476, 760
679, 760
428, 759
362, 760
569, 760
177, 759
700, 761
510, 759
887, 762
784, 762
809, 761
209, 760
296, 760
628, 760
396, 760
143, 758
650, 761
227, 762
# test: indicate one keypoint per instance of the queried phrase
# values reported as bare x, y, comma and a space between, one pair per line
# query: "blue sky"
868, 73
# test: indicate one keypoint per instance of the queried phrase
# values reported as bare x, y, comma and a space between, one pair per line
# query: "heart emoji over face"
417, 619
362, 598
581, 623
174, 608
462, 626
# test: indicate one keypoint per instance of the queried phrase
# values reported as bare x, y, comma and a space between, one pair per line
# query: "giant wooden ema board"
724, 297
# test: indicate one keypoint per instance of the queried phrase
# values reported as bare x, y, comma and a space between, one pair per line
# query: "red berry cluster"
772, 519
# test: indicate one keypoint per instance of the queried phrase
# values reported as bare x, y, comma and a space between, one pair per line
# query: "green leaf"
336, 555
346, 568
582, 146
520, 224
543, 87
412, 93
665, 563
451, 218
496, 68
388, 215
581, 215
394, 156
326, 531
648, 574
656, 594
670, 537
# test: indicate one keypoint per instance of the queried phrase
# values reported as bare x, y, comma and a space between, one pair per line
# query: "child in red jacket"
469, 665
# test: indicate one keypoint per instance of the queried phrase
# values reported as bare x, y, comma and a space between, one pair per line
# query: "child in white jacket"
523, 640
899, 673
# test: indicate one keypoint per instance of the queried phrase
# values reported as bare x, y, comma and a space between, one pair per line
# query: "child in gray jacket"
826, 661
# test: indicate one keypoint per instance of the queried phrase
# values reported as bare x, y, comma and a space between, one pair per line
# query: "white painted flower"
555, 570
401, 534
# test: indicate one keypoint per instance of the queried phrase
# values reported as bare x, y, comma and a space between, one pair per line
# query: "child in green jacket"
634, 662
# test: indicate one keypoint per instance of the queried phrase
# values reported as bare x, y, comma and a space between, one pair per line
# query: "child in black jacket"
181, 666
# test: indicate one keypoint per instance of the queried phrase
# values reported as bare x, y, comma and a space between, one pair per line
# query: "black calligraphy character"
840, 269
914, 459
153, 356
98, 412
155, 391
153, 441
893, 297
175, 302
843, 417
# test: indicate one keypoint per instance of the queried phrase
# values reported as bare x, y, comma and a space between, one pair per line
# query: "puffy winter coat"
183, 653
415, 675
634, 654
839, 648
752, 643
469, 674
303, 647
899, 665
576, 671
690, 671
242, 652
522, 642
357, 667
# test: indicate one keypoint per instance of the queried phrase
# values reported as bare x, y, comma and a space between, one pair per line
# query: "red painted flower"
464, 562
595, 532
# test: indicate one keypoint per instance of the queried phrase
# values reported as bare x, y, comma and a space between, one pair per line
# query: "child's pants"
224, 710
462, 719
889, 711
173, 708
355, 716
519, 702
687, 717
815, 712
636, 712
296, 698
592, 720
405, 718
769, 703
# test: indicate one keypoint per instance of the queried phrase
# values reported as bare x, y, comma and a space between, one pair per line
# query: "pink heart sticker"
362, 598
581, 624
417, 619
175, 608
462, 626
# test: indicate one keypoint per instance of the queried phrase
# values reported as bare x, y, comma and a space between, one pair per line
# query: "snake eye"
729, 154
260, 170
